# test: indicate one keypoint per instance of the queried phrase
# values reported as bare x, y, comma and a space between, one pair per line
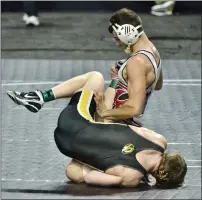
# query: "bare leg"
76, 171
90, 80
34, 101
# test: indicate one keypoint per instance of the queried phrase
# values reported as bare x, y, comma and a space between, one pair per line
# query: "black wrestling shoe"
33, 101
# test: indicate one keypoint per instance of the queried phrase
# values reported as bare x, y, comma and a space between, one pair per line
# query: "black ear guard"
110, 29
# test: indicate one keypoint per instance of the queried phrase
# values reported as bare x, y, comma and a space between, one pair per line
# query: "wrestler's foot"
163, 9
159, 14
168, 5
30, 20
33, 101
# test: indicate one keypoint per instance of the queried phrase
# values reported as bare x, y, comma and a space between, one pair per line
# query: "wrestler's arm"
109, 97
108, 101
111, 90
137, 72
129, 179
99, 178
78, 173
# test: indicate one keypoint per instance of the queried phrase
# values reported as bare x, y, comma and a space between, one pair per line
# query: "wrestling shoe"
160, 14
33, 101
163, 9
32, 21
25, 17
168, 5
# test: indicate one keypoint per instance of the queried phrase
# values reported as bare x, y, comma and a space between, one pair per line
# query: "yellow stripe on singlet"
84, 104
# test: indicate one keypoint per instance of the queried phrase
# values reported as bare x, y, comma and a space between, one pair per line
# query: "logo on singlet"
128, 148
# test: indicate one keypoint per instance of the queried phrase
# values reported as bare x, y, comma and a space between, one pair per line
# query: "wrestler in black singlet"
98, 145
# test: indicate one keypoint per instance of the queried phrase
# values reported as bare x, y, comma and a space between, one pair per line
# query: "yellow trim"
84, 104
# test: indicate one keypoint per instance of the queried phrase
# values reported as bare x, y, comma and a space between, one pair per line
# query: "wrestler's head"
126, 28
171, 172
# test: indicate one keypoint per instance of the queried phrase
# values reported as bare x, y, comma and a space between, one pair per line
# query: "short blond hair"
173, 172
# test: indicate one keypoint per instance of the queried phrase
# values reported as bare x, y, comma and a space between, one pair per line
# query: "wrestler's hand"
100, 103
114, 73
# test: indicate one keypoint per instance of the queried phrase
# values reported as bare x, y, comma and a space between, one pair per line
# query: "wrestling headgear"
127, 33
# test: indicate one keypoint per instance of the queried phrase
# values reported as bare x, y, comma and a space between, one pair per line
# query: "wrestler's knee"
95, 81
97, 74
74, 174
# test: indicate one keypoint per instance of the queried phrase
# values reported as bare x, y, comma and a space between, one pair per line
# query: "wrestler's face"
117, 41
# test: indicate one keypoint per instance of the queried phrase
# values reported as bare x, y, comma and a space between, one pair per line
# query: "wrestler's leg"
34, 101
76, 171
91, 80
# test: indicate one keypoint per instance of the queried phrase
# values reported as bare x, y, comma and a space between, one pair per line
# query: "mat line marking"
166, 82
66, 158
27, 140
44, 171
183, 84
52, 83
48, 108
186, 143
60, 181
34, 180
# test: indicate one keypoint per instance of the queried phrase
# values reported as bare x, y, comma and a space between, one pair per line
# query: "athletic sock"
48, 95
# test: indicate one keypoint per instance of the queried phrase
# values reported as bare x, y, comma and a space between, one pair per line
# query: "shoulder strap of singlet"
150, 56
120, 72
